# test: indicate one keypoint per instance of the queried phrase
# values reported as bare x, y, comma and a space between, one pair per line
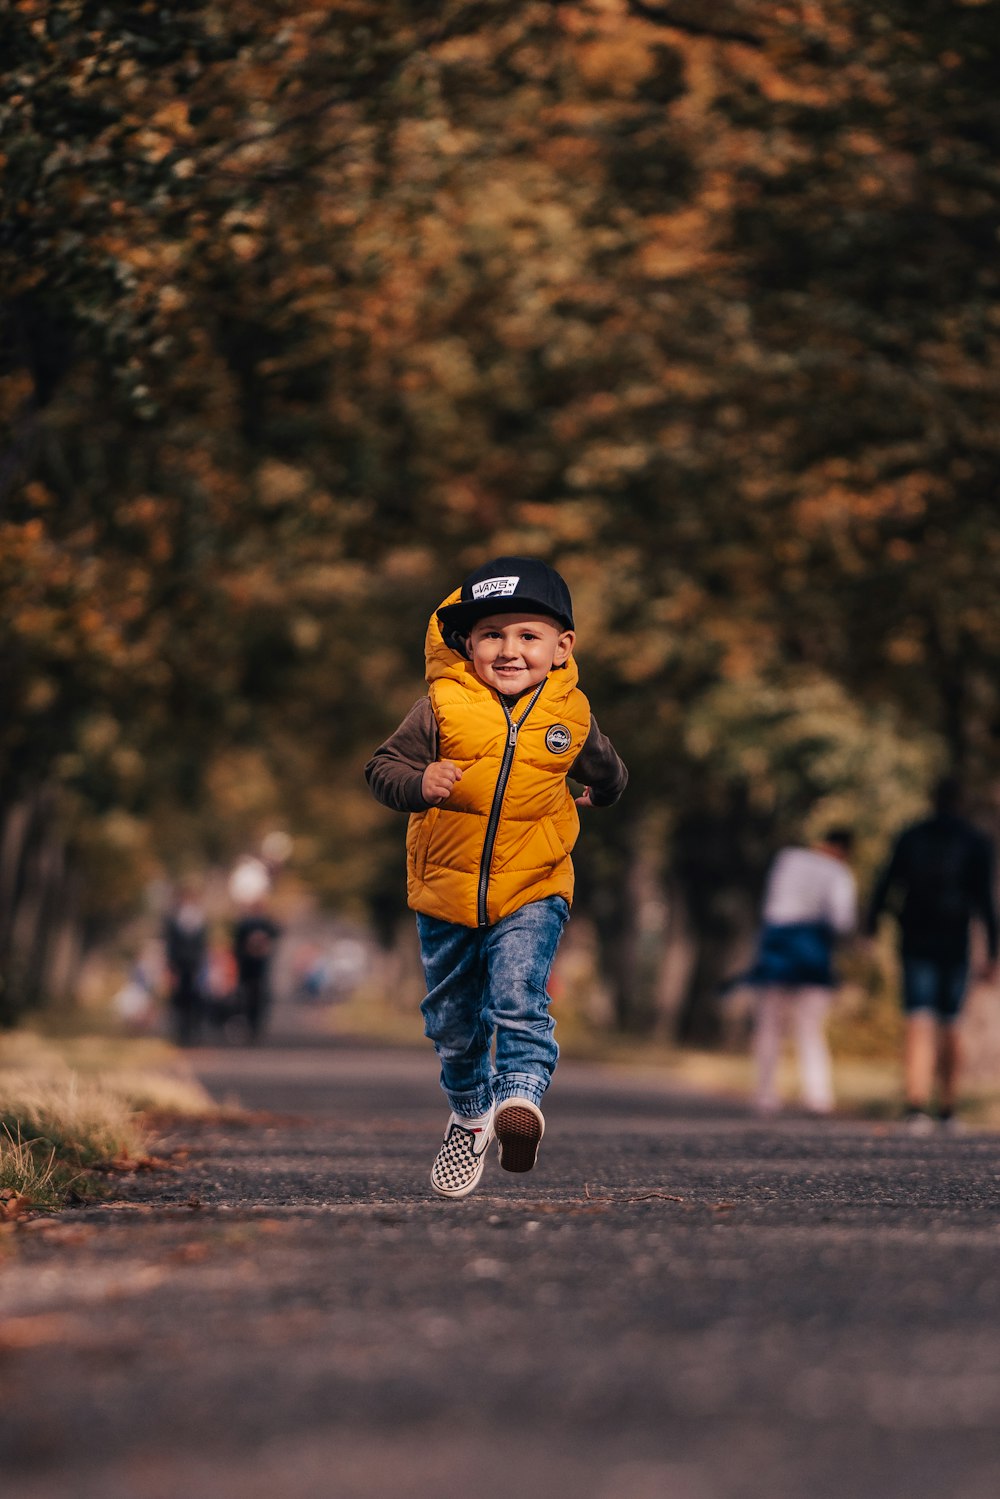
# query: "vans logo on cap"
499, 587
558, 739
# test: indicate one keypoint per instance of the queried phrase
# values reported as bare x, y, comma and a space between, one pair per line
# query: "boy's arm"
599, 767
395, 771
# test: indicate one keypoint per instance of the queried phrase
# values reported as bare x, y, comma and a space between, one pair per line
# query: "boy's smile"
514, 652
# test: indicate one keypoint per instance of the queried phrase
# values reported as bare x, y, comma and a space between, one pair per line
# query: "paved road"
678, 1303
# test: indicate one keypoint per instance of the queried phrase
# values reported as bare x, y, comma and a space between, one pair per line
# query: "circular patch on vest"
558, 739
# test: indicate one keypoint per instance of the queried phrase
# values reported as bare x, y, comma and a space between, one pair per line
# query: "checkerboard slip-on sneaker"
519, 1125
459, 1163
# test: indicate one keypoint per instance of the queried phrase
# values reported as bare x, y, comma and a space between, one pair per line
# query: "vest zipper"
493, 821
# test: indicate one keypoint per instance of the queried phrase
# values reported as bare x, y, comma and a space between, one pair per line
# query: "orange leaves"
151, 518
571, 522
746, 646
840, 506
617, 62
141, 255
173, 118
608, 465
168, 127
34, 622
566, 279
280, 484
145, 511
15, 390
908, 648
67, 602
12, 1205
21, 539
680, 244
571, 155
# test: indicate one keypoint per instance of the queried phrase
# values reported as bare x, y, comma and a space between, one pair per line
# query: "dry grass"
54, 1135
70, 1107
81, 1120
146, 1074
27, 1177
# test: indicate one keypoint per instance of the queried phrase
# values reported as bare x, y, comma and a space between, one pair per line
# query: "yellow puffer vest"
504, 836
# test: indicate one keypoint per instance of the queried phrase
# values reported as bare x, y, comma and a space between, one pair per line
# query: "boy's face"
514, 652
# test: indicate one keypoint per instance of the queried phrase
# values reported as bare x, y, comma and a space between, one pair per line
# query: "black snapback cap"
507, 585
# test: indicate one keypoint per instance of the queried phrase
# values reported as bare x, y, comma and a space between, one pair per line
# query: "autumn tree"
308, 310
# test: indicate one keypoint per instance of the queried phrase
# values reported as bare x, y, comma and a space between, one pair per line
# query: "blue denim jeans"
489, 983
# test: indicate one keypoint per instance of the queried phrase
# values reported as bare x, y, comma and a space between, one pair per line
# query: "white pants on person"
802, 1009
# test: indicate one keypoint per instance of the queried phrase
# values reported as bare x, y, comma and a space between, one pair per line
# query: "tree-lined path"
679, 1303
309, 309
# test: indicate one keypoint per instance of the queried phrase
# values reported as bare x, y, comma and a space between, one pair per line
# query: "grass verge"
56, 1137
27, 1178
73, 1109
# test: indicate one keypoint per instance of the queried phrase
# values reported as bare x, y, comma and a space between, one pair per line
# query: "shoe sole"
519, 1131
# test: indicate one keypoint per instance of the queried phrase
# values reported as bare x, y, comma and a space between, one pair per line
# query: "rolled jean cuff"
519, 1085
471, 1105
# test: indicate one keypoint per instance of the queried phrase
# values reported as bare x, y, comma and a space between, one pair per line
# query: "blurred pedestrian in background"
185, 935
810, 903
938, 878
254, 939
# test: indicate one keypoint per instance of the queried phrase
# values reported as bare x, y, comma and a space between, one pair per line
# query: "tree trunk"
720, 859
620, 890
39, 927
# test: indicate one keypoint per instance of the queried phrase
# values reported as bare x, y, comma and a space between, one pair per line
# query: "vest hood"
442, 661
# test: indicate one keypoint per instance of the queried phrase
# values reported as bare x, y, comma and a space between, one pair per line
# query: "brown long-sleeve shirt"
396, 769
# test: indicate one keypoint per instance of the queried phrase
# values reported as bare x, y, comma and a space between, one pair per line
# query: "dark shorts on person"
934, 988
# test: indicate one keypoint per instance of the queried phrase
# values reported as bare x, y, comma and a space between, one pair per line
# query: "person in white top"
810, 903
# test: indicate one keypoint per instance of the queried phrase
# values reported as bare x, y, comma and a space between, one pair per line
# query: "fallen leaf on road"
55, 1232
188, 1254
13, 1204
32, 1332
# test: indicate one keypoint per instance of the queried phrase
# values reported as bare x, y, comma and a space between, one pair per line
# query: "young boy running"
481, 764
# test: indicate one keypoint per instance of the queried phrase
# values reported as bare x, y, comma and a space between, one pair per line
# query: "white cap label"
501, 587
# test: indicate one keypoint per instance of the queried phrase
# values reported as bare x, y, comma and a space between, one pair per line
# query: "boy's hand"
439, 780
584, 800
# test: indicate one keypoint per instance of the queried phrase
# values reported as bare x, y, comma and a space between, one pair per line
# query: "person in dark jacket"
939, 878
254, 939
185, 937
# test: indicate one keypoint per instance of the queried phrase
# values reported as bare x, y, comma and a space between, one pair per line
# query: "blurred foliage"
309, 309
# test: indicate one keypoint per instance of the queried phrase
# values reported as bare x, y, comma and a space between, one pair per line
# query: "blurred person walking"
939, 877
185, 936
810, 904
254, 939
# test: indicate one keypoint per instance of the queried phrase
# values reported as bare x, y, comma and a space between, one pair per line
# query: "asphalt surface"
679, 1302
